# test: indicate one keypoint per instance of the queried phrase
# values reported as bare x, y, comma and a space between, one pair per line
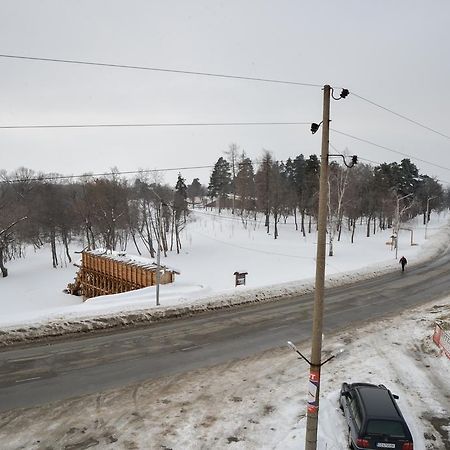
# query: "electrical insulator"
314, 127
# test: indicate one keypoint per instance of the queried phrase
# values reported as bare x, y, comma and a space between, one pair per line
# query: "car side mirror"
395, 396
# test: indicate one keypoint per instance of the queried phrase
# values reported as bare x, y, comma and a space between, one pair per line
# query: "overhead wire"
360, 158
237, 218
368, 160
169, 169
402, 116
104, 174
220, 216
366, 141
256, 250
162, 124
159, 69
215, 75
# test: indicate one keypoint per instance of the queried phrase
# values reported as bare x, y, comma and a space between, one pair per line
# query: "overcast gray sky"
395, 53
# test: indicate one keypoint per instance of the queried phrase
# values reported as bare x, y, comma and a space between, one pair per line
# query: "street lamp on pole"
160, 243
428, 212
158, 255
397, 220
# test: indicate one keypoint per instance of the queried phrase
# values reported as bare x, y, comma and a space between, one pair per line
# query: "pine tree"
195, 190
180, 209
263, 181
245, 184
220, 181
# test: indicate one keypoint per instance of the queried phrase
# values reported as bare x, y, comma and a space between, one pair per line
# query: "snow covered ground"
32, 301
258, 403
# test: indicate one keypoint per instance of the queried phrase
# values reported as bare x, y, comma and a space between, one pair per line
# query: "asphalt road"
41, 373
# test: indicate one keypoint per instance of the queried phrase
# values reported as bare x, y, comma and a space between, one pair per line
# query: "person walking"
403, 262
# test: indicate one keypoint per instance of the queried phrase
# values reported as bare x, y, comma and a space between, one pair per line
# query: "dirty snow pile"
257, 403
32, 302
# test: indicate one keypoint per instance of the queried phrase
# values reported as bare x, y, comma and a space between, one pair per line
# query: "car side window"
356, 413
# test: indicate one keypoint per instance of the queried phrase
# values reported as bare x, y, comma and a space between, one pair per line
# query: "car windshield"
386, 427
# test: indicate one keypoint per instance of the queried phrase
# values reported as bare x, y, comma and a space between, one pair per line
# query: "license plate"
385, 445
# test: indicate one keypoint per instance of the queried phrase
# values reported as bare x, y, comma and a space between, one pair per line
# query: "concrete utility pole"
316, 346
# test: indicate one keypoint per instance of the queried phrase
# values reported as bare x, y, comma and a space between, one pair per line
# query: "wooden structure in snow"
102, 273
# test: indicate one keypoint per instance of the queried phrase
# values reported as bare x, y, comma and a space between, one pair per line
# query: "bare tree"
6, 241
14, 204
337, 183
232, 155
360, 198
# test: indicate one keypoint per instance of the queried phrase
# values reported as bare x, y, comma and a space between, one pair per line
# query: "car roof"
377, 402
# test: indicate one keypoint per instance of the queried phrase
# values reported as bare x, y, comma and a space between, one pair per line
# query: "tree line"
112, 212
363, 193
108, 212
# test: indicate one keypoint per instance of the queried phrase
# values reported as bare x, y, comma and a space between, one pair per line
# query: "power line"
369, 160
360, 158
222, 217
205, 74
237, 218
104, 174
388, 149
253, 249
172, 124
415, 122
159, 69
168, 169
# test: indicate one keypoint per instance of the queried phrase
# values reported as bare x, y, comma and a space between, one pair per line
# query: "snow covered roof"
123, 257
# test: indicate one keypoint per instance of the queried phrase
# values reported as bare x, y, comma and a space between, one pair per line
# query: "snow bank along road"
41, 373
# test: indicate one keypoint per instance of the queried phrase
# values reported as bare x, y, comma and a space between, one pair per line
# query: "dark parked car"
373, 417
